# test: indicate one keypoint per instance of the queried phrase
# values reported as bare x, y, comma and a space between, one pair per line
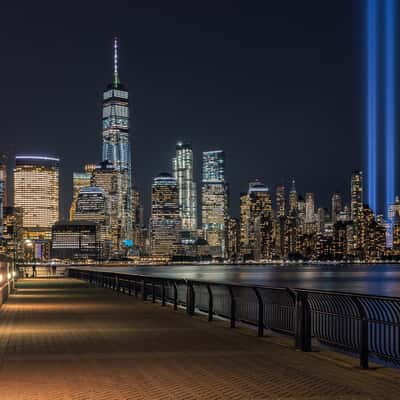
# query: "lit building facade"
165, 221
232, 239
183, 173
310, 208
336, 207
92, 206
393, 221
116, 147
36, 192
214, 196
108, 178
4, 179
1, 207
256, 205
293, 197
75, 240
356, 195
280, 201
12, 232
79, 181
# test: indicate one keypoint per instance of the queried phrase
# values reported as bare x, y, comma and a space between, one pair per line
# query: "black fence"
365, 325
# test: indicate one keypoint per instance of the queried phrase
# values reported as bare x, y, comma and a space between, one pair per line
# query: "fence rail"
366, 325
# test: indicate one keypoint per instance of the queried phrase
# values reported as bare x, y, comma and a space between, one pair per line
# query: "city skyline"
212, 107
200, 199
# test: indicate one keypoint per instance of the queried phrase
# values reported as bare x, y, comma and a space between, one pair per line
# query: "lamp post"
16, 231
28, 243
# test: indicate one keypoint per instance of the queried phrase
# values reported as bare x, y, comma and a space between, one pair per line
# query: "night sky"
276, 84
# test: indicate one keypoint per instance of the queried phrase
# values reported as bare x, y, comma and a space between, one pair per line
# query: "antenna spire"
116, 76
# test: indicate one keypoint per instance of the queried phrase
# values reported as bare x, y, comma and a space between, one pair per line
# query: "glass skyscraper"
214, 196
165, 221
116, 145
183, 173
213, 166
36, 191
79, 181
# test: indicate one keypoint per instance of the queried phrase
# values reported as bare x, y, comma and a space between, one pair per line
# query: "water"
378, 279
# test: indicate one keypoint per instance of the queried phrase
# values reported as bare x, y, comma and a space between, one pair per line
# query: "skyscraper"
76, 240
255, 206
1, 207
36, 191
394, 219
336, 207
79, 181
4, 179
92, 206
183, 173
214, 166
108, 178
293, 197
165, 221
356, 195
214, 201
116, 146
280, 201
3, 190
310, 208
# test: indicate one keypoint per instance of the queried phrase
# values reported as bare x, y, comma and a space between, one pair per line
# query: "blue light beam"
372, 93
390, 82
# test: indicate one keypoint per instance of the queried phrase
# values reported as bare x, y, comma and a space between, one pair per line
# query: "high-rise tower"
214, 201
165, 221
356, 195
280, 201
310, 208
293, 198
336, 207
116, 145
36, 191
183, 173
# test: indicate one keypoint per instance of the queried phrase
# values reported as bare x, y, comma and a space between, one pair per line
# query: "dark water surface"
378, 279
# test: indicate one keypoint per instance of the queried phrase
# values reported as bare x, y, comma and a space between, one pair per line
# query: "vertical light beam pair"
390, 115
373, 72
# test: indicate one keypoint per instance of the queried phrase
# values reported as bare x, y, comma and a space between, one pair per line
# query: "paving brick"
60, 339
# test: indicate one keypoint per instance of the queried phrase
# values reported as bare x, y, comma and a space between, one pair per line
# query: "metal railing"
366, 325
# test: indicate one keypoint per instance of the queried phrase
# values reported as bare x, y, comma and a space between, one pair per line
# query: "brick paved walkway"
61, 340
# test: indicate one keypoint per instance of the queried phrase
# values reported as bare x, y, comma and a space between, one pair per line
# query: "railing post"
233, 307
163, 293
144, 298
175, 297
210, 303
302, 322
135, 286
190, 300
364, 335
153, 292
260, 313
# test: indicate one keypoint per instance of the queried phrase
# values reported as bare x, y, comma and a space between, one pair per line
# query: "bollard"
302, 322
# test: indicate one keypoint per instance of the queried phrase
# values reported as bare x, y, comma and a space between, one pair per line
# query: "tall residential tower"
183, 173
214, 201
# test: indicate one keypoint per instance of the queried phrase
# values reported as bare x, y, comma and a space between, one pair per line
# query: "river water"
378, 279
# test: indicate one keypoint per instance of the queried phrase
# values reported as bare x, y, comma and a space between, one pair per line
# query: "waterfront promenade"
60, 339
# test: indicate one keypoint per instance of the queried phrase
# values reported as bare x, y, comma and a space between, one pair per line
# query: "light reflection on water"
376, 279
